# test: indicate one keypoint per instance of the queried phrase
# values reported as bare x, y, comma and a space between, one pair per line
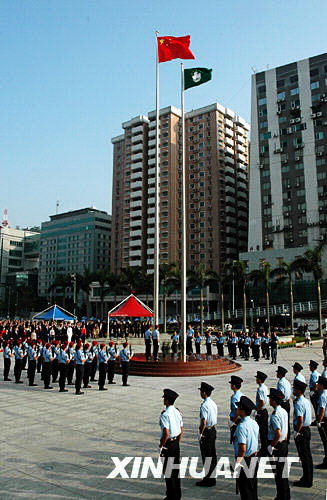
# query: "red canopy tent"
131, 306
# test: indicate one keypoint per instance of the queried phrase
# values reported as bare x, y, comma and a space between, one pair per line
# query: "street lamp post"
73, 276
251, 315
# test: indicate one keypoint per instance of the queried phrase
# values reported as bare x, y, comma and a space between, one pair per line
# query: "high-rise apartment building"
288, 177
216, 167
72, 242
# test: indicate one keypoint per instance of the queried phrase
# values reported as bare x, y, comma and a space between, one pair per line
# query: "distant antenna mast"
5, 222
57, 207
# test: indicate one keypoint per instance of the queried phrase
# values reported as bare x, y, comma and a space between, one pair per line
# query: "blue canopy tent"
54, 313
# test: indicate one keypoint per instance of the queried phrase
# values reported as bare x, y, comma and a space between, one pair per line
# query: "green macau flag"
196, 76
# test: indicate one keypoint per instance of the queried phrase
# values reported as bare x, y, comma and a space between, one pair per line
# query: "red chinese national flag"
172, 47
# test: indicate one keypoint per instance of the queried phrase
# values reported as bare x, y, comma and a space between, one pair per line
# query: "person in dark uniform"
322, 418
245, 442
103, 359
125, 357
39, 348
171, 424
54, 364
94, 363
220, 344
63, 360
189, 340
277, 439
302, 434
207, 431
262, 413
7, 355
79, 358
32, 358
256, 347
147, 341
111, 362
209, 344
233, 345
197, 342
246, 346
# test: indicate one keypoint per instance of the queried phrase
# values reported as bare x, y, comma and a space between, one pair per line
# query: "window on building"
319, 135
262, 101
294, 91
314, 85
281, 95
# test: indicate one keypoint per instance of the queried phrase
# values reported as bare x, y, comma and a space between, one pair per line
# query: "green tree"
166, 277
132, 278
311, 263
199, 278
241, 276
263, 275
286, 272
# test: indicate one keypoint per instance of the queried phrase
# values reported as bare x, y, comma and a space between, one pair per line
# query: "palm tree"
83, 282
166, 273
146, 286
241, 276
311, 263
61, 281
111, 283
200, 278
263, 275
132, 277
281, 273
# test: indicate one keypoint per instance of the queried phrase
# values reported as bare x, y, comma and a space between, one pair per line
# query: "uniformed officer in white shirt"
235, 385
297, 369
302, 434
261, 404
171, 424
322, 418
207, 437
313, 365
277, 439
284, 386
245, 442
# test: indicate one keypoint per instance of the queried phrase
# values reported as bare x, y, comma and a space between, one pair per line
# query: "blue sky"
73, 70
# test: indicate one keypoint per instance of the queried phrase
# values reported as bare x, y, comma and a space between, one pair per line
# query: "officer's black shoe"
301, 484
49, 387
19, 382
112, 382
87, 386
313, 424
79, 393
7, 379
103, 389
63, 390
93, 380
32, 385
126, 385
322, 466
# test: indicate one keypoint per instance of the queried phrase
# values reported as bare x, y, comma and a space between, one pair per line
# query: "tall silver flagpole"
157, 201
183, 284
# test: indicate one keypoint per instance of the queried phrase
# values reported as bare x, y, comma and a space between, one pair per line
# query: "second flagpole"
157, 202
183, 260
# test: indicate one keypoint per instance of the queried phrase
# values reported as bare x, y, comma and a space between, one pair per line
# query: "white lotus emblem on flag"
196, 76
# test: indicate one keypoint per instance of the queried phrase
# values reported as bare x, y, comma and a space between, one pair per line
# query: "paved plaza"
58, 445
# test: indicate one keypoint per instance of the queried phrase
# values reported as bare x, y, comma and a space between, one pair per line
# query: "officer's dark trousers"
39, 364
286, 406
302, 443
233, 350
256, 352
209, 350
46, 373
54, 370
248, 486
86, 376
313, 400
173, 483
31, 371
323, 435
111, 371
189, 349
197, 347
124, 368
246, 351
6, 368
273, 355
155, 349
282, 484
78, 377
147, 348
93, 368
208, 449
18, 370
70, 372
102, 374
262, 421
62, 375
220, 349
